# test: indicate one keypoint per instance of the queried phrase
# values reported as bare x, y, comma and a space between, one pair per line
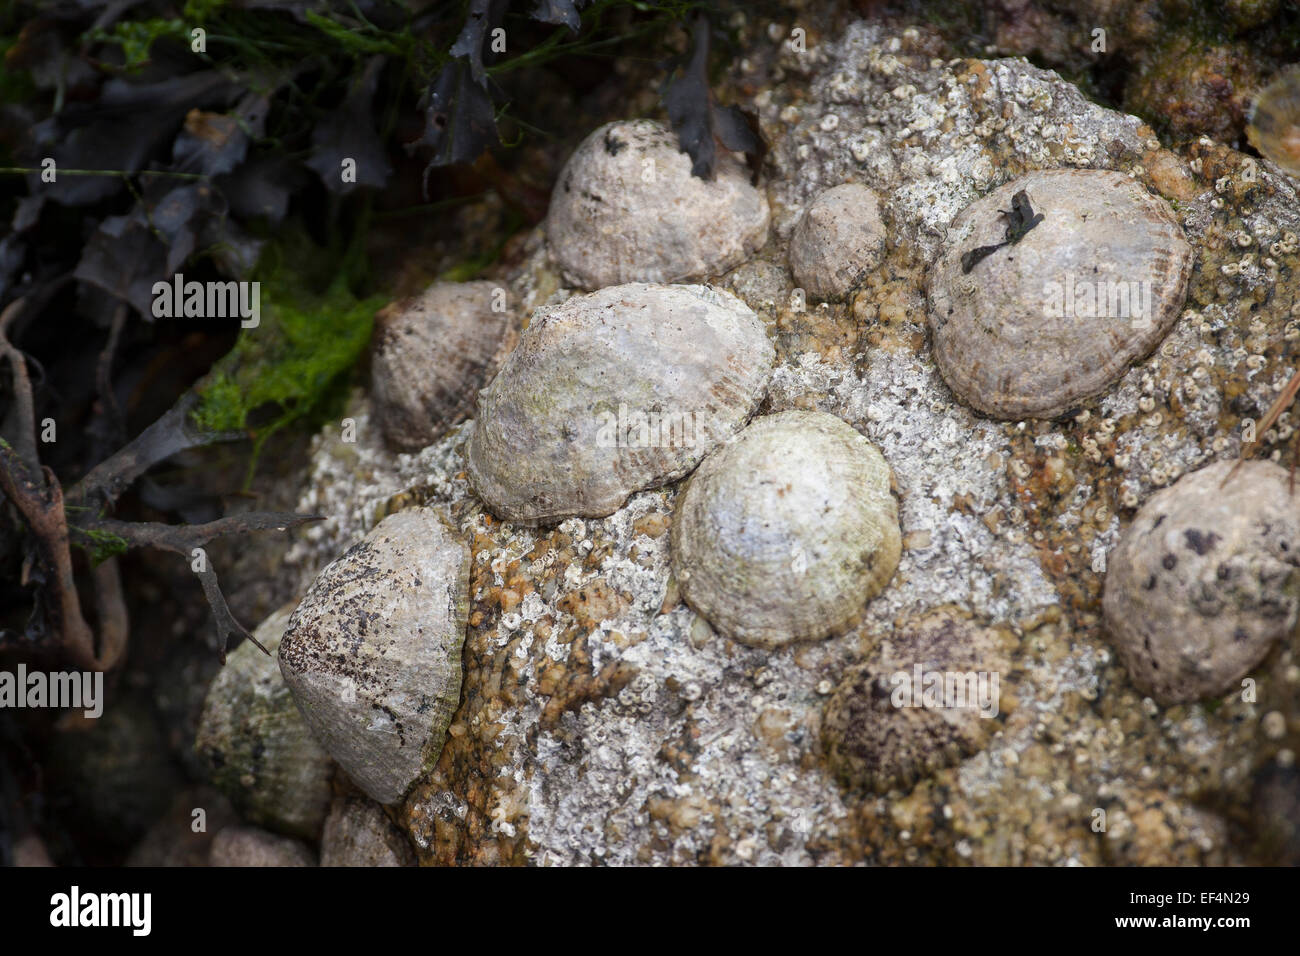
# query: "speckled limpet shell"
626, 208
430, 356
838, 239
1274, 127
1055, 318
373, 652
1205, 580
882, 729
788, 531
255, 743
612, 393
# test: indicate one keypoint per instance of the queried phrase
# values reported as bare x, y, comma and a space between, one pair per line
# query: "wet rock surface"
602, 721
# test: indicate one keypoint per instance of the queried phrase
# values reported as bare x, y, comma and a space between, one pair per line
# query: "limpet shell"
612, 393
786, 533
1205, 580
881, 728
249, 846
838, 239
1047, 322
359, 833
373, 652
626, 208
1274, 120
259, 751
430, 356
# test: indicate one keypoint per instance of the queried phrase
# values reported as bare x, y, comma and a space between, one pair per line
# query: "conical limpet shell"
1274, 121
430, 356
1205, 580
612, 393
925, 698
626, 208
838, 239
256, 744
788, 531
1056, 317
373, 652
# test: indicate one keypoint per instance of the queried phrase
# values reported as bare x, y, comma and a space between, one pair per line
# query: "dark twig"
23, 412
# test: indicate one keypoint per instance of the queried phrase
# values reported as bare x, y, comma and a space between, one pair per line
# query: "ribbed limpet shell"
1274, 121
430, 356
373, 652
788, 531
612, 393
1205, 580
626, 208
838, 239
880, 728
257, 746
1021, 335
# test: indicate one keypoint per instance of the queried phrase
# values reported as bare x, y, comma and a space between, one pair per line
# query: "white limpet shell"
1206, 580
788, 531
612, 393
373, 652
626, 208
1056, 318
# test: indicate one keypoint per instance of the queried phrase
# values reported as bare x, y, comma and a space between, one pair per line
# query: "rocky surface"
601, 721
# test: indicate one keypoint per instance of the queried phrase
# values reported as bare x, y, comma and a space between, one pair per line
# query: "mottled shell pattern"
839, 239
612, 393
1055, 318
430, 356
926, 697
626, 208
258, 748
373, 652
1205, 580
787, 532
1274, 121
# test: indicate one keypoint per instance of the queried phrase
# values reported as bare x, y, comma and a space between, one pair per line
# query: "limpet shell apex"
785, 533
626, 208
1056, 317
1205, 580
373, 652
612, 393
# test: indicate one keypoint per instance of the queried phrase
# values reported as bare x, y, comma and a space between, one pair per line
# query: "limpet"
1205, 580
838, 239
786, 533
1054, 318
1274, 120
925, 698
430, 356
615, 392
626, 208
373, 652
